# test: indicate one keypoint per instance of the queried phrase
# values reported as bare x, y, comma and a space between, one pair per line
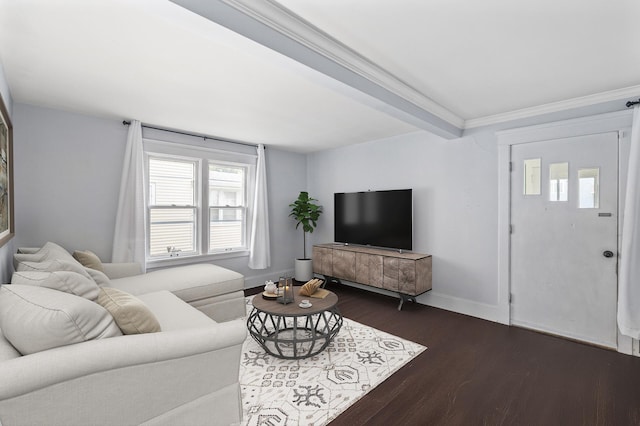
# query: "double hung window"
198, 202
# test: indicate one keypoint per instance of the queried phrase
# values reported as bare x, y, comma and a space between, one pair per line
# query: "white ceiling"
440, 65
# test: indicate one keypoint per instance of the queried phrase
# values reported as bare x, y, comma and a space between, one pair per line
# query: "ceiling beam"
272, 25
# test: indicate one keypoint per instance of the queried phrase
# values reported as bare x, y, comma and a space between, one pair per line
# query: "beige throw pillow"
89, 259
35, 319
130, 313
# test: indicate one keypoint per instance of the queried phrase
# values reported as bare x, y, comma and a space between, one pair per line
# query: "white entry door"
564, 216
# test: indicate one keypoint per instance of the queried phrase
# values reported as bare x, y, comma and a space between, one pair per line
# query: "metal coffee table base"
294, 336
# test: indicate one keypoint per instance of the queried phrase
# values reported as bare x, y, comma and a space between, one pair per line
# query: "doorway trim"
619, 121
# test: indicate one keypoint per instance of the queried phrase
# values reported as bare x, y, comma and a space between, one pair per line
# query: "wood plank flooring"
477, 372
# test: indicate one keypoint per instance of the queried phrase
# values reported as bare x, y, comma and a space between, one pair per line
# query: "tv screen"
375, 218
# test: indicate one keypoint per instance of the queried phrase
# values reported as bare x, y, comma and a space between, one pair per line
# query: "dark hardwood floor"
477, 372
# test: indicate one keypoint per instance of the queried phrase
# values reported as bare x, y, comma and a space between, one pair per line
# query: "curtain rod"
126, 123
630, 103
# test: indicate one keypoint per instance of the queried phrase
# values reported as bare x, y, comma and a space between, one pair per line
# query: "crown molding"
283, 20
580, 102
277, 28
271, 24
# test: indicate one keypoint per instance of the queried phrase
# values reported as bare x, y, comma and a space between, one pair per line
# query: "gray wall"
455, 187
68, 172
68, 169
455, 201
6, 251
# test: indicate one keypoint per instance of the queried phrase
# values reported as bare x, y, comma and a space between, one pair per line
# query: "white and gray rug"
316, 390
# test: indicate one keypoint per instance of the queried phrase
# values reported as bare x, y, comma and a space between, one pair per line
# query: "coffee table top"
292, 309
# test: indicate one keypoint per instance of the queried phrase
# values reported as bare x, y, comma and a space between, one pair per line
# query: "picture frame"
7, 229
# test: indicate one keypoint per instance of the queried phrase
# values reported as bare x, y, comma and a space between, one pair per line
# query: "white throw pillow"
52, 265
49, 251
100, 278
35, 319
67, 281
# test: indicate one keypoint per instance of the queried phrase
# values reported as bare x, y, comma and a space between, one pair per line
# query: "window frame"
203, 156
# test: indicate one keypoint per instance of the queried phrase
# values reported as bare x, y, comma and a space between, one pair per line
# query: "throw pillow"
100, 278
66, 281
53, 265
49, 251
88, 259
35, 319
130, 313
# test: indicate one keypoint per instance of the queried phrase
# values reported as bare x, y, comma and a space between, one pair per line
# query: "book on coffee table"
320, 293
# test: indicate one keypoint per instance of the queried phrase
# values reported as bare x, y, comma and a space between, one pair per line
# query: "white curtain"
629, 284
129, 243
260, 256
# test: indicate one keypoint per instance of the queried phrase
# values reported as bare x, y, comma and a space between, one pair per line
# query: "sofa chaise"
111, 346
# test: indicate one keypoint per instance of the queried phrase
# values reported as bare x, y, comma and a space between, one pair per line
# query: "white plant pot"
303, 270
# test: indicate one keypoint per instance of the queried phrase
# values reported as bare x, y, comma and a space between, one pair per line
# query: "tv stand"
407, 274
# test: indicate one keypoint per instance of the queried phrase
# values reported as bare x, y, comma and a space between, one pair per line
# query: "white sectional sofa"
66, 357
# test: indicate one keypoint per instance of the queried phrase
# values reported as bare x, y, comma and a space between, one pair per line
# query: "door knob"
607, 253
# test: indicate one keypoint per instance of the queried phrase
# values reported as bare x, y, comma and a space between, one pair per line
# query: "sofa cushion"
174, 313
88, 259
189, 283
67, 281
49, 251
35, 319
130, 313
7, 351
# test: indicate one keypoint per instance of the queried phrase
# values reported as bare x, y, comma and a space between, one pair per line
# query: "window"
589, 188
197, 201
227, 210
532, 176
559, 182
172, 206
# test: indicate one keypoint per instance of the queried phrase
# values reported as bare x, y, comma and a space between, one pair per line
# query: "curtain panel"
129, 241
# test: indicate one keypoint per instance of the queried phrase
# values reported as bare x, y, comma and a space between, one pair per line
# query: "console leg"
328, 279
404, 297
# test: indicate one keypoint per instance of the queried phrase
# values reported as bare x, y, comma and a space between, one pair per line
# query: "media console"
406, 273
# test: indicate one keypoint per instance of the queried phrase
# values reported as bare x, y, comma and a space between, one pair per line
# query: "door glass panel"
589, 188
532, 176
558, 182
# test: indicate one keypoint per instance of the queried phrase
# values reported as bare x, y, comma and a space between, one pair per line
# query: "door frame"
619, 121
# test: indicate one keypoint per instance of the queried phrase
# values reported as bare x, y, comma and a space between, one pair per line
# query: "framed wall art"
6, 175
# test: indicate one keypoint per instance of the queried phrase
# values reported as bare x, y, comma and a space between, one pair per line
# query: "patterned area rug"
315, 390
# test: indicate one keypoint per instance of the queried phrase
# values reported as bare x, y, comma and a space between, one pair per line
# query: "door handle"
607, 253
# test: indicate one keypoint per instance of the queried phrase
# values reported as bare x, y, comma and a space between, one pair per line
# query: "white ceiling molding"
580, 102
279, 29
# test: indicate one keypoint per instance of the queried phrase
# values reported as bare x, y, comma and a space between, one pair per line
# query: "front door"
564, 216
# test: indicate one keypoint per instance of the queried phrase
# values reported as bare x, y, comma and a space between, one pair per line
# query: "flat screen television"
375, 218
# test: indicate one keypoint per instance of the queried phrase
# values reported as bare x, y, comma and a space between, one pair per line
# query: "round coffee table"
291, 332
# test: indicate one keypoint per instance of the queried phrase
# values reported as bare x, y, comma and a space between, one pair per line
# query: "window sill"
201, 258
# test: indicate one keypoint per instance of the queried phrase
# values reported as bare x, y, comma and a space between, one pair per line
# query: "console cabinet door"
362, 268
344, 265
376, 271
323, 261
369, 269
391, 273
407, 276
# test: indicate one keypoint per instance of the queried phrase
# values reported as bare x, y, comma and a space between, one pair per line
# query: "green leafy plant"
306, 213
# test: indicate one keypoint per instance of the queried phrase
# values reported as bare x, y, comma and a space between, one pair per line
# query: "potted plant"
306, 213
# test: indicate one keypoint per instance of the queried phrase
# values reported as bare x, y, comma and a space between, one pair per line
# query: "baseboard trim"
565, 335
495, 313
